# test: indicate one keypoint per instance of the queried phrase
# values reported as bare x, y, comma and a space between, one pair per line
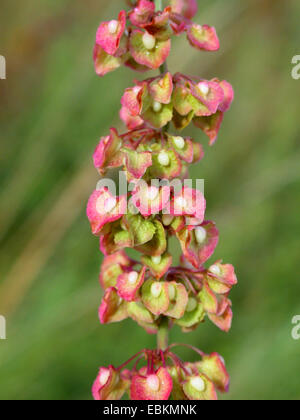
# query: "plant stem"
163, 329
163, 68
162, 334
158, 5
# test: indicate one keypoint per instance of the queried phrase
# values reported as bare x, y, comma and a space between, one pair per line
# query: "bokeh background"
54, 109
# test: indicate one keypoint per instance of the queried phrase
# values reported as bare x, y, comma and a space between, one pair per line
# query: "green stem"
163, 329
163, 68
162, 334
158, 5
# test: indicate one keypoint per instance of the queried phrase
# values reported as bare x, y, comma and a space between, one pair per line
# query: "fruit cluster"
153, 291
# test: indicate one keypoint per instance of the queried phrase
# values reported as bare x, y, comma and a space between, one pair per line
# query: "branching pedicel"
151, 291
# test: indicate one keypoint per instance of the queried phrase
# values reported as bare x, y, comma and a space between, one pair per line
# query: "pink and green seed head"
109, 34
146, 292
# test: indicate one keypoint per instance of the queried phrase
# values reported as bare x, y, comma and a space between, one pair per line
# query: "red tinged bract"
112, 308
109, 385
136, 163
210, 125
198, 243
132, 99
113, 266
224, 320
107, 154
186, 8
150, 199
189, 202
131, 122
203, 37
128, 284
221, 277
104, 208
209, 93
213, 366
142, 13
153, 386
109, 34
228, 96
147, 50
105, 63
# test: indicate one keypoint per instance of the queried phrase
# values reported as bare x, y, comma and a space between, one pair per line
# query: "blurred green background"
54, 109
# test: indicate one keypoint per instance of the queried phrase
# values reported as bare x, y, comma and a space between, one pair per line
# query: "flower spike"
152, 289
